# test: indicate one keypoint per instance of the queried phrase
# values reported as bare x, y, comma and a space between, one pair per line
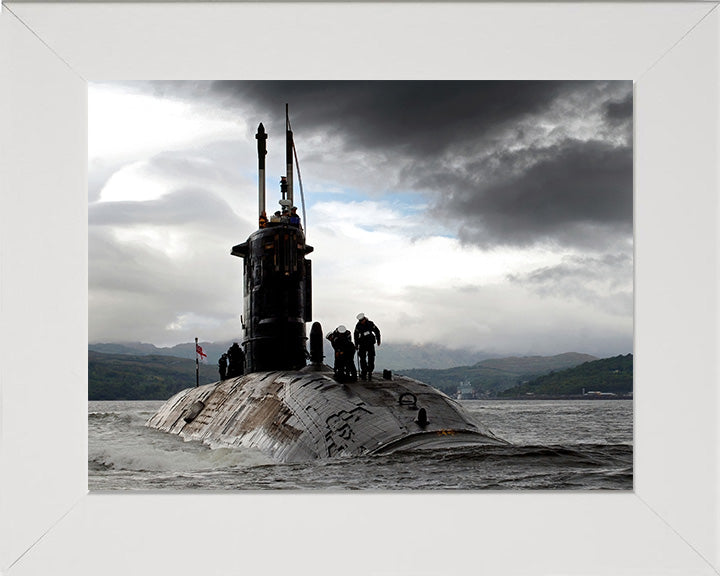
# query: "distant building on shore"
598, 394
465, 391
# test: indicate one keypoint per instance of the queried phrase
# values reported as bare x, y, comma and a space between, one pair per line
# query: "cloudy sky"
494, 216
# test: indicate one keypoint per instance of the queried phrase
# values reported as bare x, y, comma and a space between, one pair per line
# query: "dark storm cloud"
618, 111
619, 116
548, 195
479, 148
420, 118
501, 162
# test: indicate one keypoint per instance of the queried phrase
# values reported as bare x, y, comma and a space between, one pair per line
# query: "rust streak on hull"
303, 415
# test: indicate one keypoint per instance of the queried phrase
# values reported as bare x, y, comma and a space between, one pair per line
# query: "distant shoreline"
491, 398
555, 397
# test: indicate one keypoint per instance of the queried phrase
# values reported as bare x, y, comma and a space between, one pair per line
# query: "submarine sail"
288, 408
277, 301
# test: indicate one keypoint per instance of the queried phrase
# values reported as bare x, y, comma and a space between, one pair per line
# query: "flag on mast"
199, 350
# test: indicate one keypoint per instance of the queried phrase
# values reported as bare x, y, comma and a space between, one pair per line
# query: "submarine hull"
296, 416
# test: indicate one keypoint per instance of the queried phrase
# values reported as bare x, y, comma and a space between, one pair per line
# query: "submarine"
288, 403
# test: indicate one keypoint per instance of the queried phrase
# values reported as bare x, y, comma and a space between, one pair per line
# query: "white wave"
153, 458
120, 441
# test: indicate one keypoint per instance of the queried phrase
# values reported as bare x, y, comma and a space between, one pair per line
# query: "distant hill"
149, 377
607, 375
187, 350
492, 376
391, 356
403, 355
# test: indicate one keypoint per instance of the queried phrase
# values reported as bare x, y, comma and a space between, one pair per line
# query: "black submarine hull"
296, 416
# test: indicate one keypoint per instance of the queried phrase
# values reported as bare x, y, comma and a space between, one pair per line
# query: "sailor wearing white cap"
366, 335
341, 342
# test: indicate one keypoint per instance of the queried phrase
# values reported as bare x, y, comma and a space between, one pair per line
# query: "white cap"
360, 316
341, 329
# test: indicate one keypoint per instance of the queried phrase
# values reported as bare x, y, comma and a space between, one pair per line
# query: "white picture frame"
49, 524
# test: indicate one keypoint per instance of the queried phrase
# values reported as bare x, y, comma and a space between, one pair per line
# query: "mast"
289, 156
261, 137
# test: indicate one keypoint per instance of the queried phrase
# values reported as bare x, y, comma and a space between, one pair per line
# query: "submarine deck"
307, 414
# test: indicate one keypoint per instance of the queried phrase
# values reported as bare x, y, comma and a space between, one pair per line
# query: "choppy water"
557, 445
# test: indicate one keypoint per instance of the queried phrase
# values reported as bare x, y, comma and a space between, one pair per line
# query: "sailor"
366, 335
294, 218
275, 217
341, 342
263, 219
222, 366
236, 361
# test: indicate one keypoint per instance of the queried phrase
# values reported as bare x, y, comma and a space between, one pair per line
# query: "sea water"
555, 445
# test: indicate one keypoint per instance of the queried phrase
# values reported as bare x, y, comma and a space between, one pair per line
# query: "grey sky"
488, 215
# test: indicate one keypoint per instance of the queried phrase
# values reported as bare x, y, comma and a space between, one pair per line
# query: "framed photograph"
486, 226
48, 520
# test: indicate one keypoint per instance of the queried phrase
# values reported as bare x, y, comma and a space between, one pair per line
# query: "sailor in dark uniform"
222, 366
366, 335
236, 361
341, 342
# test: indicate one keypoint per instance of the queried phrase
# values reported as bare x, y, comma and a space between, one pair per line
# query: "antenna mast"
289, 156
261, 137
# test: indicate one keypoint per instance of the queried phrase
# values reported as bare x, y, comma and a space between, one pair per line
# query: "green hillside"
127, 377
607, 375
157, 377
391, 356
490, 377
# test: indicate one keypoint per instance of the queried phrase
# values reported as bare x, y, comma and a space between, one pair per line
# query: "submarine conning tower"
277, 280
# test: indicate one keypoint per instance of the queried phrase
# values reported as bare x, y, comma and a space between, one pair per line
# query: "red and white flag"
199, 351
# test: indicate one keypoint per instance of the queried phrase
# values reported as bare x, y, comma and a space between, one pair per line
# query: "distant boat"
292, 409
